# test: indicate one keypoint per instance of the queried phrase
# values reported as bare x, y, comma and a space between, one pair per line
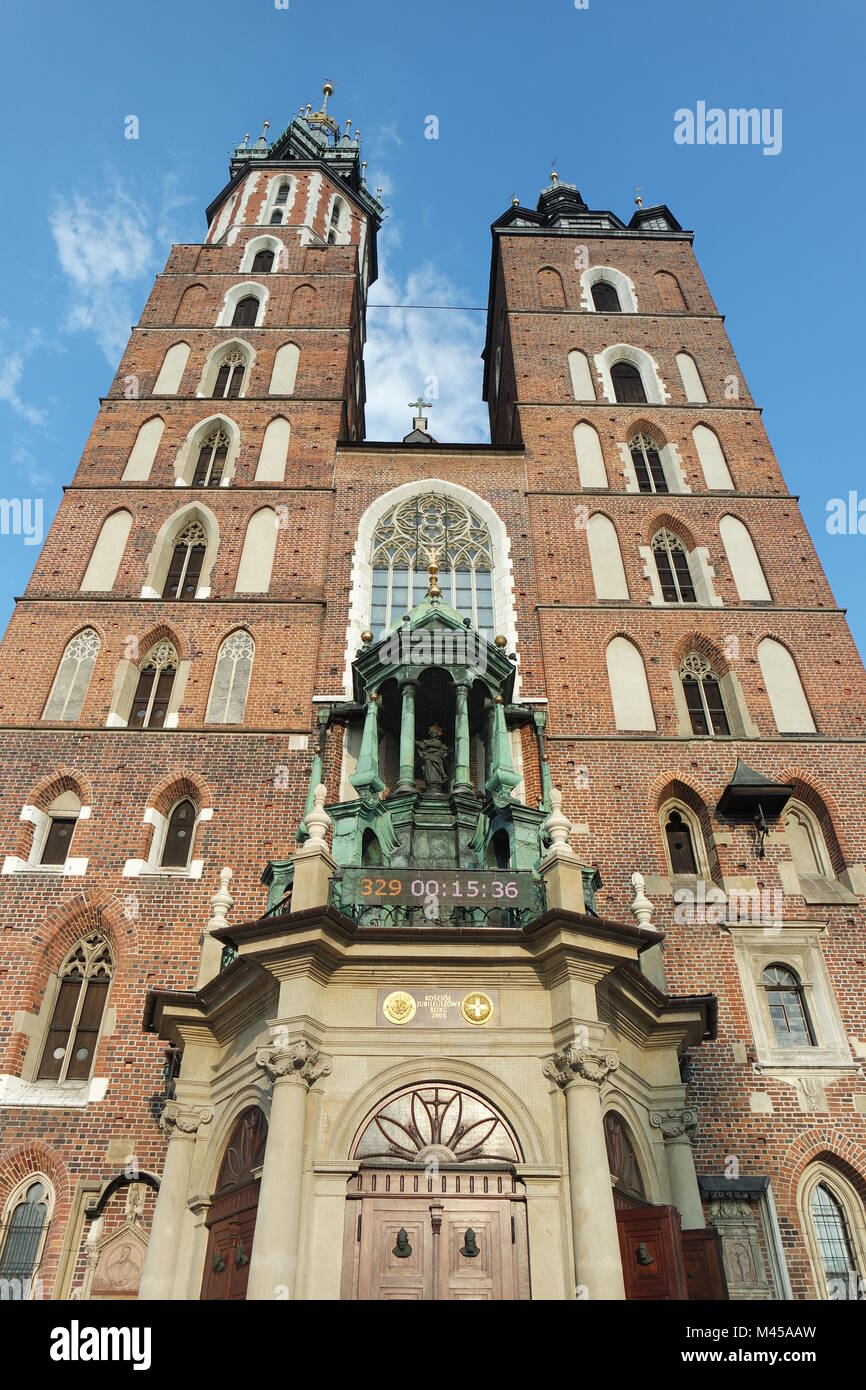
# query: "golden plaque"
477, 1008
399, 1007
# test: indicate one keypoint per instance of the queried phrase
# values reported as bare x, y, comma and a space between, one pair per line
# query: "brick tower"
524, 761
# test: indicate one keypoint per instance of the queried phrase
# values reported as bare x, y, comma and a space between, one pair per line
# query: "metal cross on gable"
419, 405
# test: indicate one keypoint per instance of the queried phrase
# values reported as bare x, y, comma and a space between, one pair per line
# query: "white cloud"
437, 351
13, 370
107, 249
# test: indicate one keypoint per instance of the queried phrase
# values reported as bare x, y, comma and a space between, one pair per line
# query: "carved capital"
179, 1118
580, 1064
298, 1061
675, 1123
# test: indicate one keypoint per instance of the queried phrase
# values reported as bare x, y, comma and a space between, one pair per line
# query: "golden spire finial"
327, 91
638, 199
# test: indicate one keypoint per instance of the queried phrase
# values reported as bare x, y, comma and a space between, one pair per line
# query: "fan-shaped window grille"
456, 1125
408, 538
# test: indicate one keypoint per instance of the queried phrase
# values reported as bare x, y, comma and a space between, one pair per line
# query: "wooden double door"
660, 1261
418, 1236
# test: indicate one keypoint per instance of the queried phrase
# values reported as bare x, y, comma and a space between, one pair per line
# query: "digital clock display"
451, 887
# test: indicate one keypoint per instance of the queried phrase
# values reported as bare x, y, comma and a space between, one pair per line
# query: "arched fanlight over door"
449, 1121
624, 1168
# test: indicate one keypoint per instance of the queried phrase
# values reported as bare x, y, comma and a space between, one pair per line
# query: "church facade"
430, 870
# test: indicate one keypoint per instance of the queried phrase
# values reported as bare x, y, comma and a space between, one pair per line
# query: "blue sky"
89, 215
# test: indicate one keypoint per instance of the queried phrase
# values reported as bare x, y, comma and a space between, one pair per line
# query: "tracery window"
73, 677
231, 679
70, 1045
647, 463
230, 377
155, 684
672, 564
212, 457
703, 696
787, 1006
404, 541
187, 559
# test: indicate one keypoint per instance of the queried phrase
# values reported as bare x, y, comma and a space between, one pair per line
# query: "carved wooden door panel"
705, 1272
449, 1236
651, 1250
230, 1243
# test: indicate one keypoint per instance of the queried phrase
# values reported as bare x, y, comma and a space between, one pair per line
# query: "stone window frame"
699, 847
162, 550
74, 866
623, 284
151, 867
701, 570
77, 639
245, 290
276, 183
126, 683
186, 457
234, 636
16, 1198
504, 606
797, 947
342, 231
210, 371
669, 458
820, 1173
654, 388
264, 242
839, 887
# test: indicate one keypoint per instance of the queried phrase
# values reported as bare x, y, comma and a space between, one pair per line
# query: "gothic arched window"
246, 312
177, 845
339, 217
231, 681
22, 1234
230, 376
647, 462
806, 841
787, 1006
605, 298
212, 458
834, 1243
279, 208
403, 543
187, 559
73, 677
155, 684
703, 696
672, 564
70, 1045
263, 261
627, 382
681, 850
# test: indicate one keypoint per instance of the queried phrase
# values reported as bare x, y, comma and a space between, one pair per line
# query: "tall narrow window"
263, 262
336, 221
647, 463
231, 681
703, 696
155, 684
279, 210
787, 1007
834, 1244
627, 382
246, 312
230, 377
402, 544
58, 840
22, 1235
184, 571
605, 298
177, 845
672, 564
73, 677
211, 460
681, 850
73, 1033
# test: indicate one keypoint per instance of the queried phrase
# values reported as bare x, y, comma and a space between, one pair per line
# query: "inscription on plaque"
438, 1008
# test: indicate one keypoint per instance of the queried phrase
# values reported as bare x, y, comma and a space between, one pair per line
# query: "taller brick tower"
430, 870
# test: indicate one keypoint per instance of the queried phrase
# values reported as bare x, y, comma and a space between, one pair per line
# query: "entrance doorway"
441, 1236
231, 1220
